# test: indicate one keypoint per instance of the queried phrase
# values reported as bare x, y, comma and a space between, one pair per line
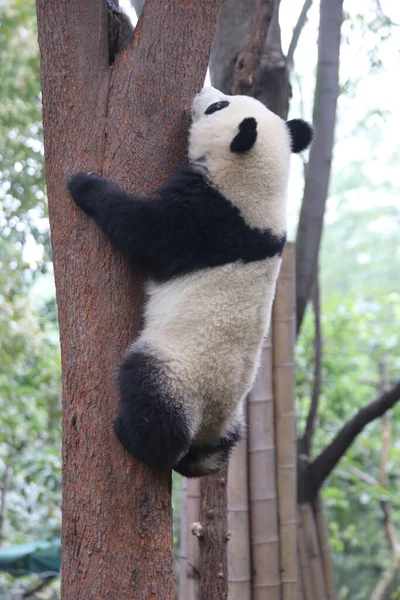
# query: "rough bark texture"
319, 166
213, 537
249, 58
127, 123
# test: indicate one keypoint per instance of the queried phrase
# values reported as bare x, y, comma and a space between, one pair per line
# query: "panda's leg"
152, 424
207, 459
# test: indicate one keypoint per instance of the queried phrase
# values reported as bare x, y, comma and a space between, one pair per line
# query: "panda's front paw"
84, 189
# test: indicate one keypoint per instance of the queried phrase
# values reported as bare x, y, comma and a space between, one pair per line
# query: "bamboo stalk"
265, 547
284, 336
239, 574
299, 582
304, 562
184, 543
193, 550
313, 551
323, 538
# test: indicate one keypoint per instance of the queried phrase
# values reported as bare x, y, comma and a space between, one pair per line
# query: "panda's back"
206, 328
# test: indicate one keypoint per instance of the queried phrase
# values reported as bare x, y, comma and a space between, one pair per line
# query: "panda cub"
210, 246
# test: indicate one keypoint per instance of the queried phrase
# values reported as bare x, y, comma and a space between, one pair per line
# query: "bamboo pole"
284, 336
239, 568
265, 548
184, 543
193, 550
299, 583
304, 562
313, 551
323, 538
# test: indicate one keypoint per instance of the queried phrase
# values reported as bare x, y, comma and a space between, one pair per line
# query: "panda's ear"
246, 137
301, 134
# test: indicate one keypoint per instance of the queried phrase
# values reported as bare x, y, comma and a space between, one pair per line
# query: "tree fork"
126, 123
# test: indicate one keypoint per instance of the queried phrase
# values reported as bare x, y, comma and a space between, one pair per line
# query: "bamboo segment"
265, 547
305, 568
284, 332
299, 583
193, 550
239, 574
313, 551
184, 533
323, 538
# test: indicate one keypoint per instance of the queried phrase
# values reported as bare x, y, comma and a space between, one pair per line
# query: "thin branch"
42, 584
364, 477
249, 59
328, 459
297, 31
386, 20
317, 383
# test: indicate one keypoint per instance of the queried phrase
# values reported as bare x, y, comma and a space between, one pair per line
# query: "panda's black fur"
184, 380
177, 233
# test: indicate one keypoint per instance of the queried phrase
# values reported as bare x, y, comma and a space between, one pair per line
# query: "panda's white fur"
200, 346
256, 181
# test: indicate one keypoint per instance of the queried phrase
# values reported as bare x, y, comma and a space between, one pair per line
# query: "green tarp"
35, 557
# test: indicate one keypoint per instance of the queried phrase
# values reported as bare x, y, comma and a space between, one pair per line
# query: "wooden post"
284, 336
326, 553
265, 550
304, 562
313, 550
239, 567
126, 123
213, 537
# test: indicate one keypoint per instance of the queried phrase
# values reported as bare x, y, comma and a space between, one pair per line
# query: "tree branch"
249, 58
328, 459
40, 586
319, 166
309, 430
297, 31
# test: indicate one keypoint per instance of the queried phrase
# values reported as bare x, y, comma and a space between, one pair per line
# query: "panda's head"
244, 149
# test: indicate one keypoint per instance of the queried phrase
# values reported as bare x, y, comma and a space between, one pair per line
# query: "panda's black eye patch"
216, 106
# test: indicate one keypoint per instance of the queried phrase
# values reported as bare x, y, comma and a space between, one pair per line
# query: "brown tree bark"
128, 124
212, 532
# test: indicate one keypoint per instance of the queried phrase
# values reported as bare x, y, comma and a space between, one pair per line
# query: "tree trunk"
126, 123
319, 166
213, 537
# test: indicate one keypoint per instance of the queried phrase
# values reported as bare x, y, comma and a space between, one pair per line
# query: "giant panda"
210, 246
